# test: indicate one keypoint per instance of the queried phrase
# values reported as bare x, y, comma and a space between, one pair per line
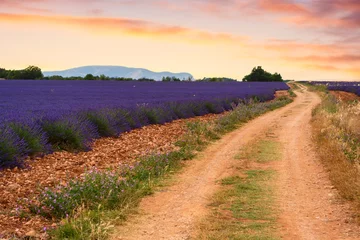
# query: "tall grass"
336, 129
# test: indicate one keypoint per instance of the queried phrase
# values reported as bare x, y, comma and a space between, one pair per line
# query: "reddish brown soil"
282, 93
58, 167
345, 96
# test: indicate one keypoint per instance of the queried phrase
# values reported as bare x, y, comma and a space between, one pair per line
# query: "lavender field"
45, 116
353, 87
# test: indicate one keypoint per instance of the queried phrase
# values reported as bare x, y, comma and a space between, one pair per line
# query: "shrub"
12, 148
34, 138
104, 123
72, 133
94, 188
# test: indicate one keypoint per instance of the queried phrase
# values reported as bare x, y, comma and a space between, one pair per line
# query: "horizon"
298, 39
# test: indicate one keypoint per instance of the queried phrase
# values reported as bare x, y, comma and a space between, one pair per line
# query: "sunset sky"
301, 39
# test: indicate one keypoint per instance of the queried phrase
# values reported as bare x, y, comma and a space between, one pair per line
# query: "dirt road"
307, 202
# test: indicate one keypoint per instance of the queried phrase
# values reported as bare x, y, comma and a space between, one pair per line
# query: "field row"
352, 87
44, 116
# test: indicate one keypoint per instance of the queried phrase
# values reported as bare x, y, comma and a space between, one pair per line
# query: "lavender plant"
58, 115
353, 87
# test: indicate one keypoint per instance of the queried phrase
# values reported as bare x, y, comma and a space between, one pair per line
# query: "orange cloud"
24, 5
322, 67
292, 47
126, 26
337, 59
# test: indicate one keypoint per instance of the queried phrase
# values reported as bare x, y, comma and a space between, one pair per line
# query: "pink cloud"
24, 5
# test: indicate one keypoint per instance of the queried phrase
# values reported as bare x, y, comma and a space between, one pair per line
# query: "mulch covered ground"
17, 184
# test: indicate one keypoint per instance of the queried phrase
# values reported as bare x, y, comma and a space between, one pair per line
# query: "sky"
301, 39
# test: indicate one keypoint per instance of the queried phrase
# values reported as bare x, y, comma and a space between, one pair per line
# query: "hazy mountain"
116, 71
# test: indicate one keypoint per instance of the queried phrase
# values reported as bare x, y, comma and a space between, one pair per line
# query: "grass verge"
243, 208
87, 206
336, 131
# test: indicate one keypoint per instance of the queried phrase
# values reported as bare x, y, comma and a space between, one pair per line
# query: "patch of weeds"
291, 93
91, 190
243, 211
294, 86
245, 112
316, 88
262, 151
230, 180
199, 134
88, 225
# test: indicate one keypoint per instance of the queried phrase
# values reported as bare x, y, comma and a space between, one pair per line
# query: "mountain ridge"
116, 71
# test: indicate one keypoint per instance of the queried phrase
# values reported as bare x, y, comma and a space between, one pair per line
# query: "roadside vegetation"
88, 207
336, 129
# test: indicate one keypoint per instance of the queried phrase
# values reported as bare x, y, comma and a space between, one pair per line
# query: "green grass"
261, 151
243, 209
316, 88
291, 93
244, 206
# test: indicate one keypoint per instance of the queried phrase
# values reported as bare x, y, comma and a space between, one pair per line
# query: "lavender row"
353, 87
41, 117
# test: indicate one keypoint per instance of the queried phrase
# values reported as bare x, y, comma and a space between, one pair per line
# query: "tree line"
92, 77
32, 72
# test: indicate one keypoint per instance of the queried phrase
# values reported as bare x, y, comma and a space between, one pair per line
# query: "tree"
260, 75
277, 77
56, 77
89, 77
171, 79
31, 72
103, 77
3, 73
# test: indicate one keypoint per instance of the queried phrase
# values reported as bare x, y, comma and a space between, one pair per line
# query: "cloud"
329, 59
96, 11
293, 47
334, 14
282, 6
322, 67
24, 5
136, 27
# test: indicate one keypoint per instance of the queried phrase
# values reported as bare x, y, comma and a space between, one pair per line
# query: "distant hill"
116, 71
